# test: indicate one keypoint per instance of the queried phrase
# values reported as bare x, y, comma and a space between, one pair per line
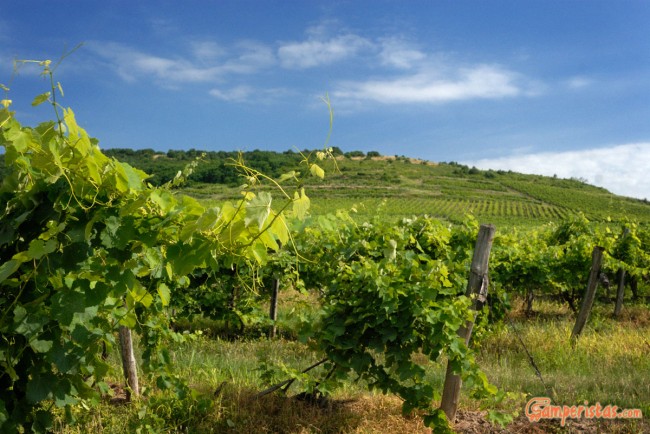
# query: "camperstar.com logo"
541, 408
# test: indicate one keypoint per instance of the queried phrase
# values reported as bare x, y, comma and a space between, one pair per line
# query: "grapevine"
88, 246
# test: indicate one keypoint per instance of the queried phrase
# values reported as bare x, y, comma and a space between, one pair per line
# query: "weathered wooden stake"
620, 292
273, 310
477, 289
128, 363
590, 294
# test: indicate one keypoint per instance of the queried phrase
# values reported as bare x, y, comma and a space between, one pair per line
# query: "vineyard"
450, 191
311, 286
449, 209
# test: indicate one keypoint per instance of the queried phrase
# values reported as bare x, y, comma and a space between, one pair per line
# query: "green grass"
609, 364
396, 188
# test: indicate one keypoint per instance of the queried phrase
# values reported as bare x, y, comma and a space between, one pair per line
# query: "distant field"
395, 188
446, 208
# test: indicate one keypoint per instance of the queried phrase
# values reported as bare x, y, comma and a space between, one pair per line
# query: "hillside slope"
451, 191
399, 186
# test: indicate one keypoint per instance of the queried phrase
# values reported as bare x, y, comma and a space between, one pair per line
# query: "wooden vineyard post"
477, 287
620, 292
590, 294
273, 310
128, 363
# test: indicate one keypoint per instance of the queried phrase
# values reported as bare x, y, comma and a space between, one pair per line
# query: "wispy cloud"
578, 82
207, 51
321, 48
397, 71
397, 53
245, 93
430, 86
132, 64
204, 65
251, 57
237, 93
620, 169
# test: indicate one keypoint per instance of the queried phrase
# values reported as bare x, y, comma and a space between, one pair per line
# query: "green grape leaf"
258, 251
208, 219
163, 199
316, 170
40, 346
140, 295
41, 386
300, 204
73, 128
43, 422
61, 399
129, 320
438, 421
40, 99
65, 304
391, 252
21, 140
39, 248
129, 178
258, 209
164, 293
28, 325
268, 240
289, 175
8, 268
279, 229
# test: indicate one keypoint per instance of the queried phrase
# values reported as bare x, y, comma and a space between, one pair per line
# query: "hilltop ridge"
398, 186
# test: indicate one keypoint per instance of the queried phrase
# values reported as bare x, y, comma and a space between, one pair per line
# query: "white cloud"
621, 169
236, 94
131, 64
246, 93
579, 82
253, 57
429, 78
480, 81
397, 53
320, 48
204, 65
207, 51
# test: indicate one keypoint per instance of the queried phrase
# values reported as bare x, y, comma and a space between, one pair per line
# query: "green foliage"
443, 191
215, 167
391, 294
556, 259
354, 154
596, 203
87, 245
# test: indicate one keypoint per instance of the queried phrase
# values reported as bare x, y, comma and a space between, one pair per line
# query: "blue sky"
551, 87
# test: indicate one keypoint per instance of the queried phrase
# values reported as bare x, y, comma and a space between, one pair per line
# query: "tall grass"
610, 364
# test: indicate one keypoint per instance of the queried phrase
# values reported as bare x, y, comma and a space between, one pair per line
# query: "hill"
400, 186
450, 191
